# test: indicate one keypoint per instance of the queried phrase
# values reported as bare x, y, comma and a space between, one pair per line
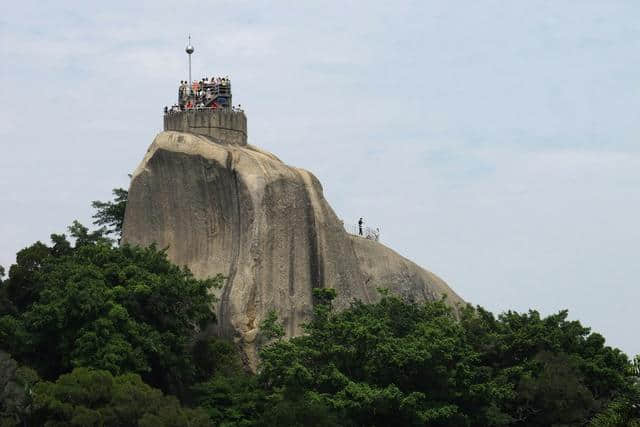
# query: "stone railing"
225, 126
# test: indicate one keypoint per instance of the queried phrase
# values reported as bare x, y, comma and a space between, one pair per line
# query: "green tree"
231, 396
270, 328
121, 309
16, 391
87, 397
390, 363
622, 411
562, 373
125, 320
82, 236
22, 286
111, 214
5, 305
397, 363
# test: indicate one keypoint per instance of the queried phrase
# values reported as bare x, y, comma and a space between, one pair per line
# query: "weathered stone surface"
221, 126
240, 211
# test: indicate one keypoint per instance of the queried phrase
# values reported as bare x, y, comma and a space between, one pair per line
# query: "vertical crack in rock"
315, 262
292, 263
236, 221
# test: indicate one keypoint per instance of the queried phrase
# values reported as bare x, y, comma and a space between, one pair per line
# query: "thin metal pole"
189, 49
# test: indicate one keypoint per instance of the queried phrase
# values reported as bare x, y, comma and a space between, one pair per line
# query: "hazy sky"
495, 143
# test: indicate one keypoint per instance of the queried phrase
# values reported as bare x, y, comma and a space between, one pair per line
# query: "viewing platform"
205, 108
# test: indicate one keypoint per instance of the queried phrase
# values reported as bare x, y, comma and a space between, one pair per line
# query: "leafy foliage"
124, 309
87, 397
271, 328
416, 364
112, 328
16, 384
111, 214
562, 372
622, 411
231, 396
383, 364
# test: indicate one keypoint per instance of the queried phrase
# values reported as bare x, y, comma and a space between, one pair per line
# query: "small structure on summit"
205, 108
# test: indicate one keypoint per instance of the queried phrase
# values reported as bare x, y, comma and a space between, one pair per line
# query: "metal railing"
366, 232
225, 109
218, 88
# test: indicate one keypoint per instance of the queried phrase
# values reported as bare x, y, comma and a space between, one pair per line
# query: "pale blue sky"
494, 142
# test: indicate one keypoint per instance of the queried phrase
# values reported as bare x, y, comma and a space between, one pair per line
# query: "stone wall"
223, 126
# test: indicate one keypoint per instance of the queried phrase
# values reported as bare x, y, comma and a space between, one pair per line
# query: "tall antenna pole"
189, 49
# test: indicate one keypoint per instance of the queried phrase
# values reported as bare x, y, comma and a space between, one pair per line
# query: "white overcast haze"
494, 143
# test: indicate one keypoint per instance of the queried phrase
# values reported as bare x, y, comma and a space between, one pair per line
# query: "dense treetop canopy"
111, 214
419, 364
88, 397
92, 333
121, 309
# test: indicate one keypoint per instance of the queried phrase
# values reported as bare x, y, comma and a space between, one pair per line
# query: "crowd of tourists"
175, 108
206, 93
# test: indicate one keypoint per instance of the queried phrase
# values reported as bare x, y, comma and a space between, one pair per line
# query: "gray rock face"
240, 211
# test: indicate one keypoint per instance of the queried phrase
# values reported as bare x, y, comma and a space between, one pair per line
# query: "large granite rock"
240, 211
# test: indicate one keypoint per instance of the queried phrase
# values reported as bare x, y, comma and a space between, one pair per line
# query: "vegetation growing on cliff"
96, 334
110, 214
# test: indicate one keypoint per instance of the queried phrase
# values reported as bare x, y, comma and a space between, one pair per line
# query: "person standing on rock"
360, 223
